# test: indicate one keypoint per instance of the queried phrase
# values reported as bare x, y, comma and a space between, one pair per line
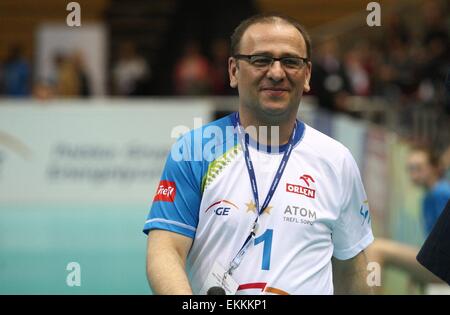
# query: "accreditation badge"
218, 277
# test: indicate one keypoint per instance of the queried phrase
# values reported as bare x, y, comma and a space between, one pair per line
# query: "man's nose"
276, 72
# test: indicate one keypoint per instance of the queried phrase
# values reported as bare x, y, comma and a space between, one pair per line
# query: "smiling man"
263, 212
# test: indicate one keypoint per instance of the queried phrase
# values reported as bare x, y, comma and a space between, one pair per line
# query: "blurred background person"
82, 74
219, 68
358, 70
131, 71
425, 171
191, 72
71, 78
16, 73
329, 81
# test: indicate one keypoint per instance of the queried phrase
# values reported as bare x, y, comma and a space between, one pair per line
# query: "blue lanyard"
251, 173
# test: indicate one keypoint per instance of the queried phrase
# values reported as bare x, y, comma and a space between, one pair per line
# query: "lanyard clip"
254, 228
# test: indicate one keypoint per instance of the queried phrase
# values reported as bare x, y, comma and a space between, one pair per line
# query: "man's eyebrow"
266, 53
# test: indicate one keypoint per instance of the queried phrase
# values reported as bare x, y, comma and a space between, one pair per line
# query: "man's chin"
274, 109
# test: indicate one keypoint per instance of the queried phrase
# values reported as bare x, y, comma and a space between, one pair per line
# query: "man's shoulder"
206, 142
442, 189
324, 146
223, 122
219, 130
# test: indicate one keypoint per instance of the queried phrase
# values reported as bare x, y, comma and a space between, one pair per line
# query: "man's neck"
260, 128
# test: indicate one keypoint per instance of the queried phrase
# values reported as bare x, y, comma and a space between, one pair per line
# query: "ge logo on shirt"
221, 207
222, 211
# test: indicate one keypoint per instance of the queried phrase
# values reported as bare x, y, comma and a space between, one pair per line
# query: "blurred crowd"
70, 78
407, 64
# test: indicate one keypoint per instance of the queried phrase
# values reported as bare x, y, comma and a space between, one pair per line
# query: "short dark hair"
432, 156
267, 18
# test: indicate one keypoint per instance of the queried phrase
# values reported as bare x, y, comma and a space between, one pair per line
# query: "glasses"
264, 62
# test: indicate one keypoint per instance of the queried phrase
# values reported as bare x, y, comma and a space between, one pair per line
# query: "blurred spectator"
358, 71
219, 68
71, 78
425, 171
191, 73
396, 29
399, 70
329, 81
131, 71
66, 82
16, 74
82, 75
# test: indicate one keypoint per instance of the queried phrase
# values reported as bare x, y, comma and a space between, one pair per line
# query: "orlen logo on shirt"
301, 190
166, 191
297, 189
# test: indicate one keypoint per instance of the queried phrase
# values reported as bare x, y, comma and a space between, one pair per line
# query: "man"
425, 171
266, 216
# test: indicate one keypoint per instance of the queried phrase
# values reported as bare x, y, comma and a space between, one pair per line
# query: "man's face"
419, 168
275, 91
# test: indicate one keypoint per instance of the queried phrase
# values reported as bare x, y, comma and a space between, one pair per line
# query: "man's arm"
390, 253
350, 276
166, 262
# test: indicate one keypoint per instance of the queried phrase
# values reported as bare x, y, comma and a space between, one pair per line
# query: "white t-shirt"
318, 210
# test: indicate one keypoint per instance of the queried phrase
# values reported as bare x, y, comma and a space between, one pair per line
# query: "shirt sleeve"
177, 199
352, 231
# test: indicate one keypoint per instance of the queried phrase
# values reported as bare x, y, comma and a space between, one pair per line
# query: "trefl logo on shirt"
303, 190
166, 191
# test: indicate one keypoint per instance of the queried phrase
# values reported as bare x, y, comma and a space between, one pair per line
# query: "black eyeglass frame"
273, 59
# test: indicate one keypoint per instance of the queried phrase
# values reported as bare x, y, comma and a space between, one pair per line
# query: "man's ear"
306, 86
233, 69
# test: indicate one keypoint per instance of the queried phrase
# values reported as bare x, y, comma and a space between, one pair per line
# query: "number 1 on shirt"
266, 238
